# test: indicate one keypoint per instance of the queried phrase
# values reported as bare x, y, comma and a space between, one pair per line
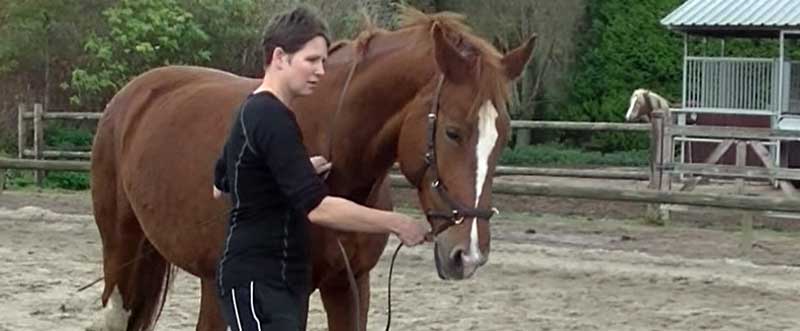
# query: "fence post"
38, 140
656, 140
668, 151
746, 244
653, 212
22, 131
741, 161
523, 137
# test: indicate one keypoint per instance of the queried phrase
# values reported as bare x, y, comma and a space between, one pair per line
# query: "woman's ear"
279, 58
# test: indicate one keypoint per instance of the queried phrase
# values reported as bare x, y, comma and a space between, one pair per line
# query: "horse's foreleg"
338, 301
210, 318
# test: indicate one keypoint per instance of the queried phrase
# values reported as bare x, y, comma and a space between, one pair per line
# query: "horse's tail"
151, 277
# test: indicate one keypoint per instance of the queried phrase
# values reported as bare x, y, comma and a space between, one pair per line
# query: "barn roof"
735, 18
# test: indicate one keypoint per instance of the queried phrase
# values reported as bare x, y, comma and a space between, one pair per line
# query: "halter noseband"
458, 212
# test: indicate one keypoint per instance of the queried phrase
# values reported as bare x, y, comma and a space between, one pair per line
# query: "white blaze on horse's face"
487, 139
633, 110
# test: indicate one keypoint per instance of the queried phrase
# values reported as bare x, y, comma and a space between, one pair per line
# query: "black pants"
259, 307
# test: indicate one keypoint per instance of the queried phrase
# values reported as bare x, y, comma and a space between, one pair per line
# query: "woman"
264, 273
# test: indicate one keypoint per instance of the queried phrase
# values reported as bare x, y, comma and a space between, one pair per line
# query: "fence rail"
583, 126
644, 196
606, 193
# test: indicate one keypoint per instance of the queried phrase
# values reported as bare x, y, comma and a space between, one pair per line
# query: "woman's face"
306, 67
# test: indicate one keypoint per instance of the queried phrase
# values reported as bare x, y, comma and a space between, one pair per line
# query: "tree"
141, 34
39, 39
625, 48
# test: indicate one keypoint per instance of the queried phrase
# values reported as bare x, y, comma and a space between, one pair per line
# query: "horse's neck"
658, 102
368, 126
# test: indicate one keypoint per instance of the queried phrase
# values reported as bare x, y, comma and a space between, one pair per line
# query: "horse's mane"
660, 102
368, 30
491, 77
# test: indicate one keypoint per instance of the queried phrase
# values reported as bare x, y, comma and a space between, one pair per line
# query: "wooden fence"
663, 167
663, 131
607, 193
39, 151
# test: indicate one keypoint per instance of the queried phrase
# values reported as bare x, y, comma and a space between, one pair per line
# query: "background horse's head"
451, 138
643, 103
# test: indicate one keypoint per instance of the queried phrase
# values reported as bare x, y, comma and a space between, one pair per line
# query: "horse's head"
640, 106
451, 138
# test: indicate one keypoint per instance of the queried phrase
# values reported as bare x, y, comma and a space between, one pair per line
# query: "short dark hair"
292, 30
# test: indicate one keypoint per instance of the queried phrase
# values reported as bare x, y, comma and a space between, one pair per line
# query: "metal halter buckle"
456, 219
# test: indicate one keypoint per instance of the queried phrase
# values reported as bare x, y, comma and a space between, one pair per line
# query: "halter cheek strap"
456, 212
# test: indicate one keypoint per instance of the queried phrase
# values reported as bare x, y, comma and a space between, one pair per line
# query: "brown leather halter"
454, 216
457, 212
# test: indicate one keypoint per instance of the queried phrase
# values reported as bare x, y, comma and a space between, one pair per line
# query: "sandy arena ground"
546, 272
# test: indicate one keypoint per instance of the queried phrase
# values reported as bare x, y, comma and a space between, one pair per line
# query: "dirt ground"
556, 264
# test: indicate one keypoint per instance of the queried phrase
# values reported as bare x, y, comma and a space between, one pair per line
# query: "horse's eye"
453, 134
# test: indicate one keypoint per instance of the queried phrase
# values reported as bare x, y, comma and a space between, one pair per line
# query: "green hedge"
558, 155
625, 48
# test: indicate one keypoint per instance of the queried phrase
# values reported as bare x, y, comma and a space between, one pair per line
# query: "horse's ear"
456, 67
516, 60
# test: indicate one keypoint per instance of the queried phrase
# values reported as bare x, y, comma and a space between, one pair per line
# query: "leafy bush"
64, 180
625, 48
67, 180
563, 156
141, 34
62, 137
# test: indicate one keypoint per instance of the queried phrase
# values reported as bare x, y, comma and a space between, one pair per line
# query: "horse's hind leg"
135, 274
121, 235
210, 318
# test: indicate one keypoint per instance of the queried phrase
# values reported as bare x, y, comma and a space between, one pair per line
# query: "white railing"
731, 85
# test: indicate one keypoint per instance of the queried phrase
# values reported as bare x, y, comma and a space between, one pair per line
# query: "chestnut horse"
430, 86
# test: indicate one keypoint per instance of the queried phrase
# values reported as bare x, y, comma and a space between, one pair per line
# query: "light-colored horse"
642, 105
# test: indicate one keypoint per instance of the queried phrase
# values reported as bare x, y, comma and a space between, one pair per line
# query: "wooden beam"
67, 116
60, 154
624, 174
732, 132
38, 140
729, 171
22, 130
719, 151
587, 126
610, 193
747, 238
763, 155
7, 163
741, 161
634, 174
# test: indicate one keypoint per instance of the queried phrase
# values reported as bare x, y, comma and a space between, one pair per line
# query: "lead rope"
389, 288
